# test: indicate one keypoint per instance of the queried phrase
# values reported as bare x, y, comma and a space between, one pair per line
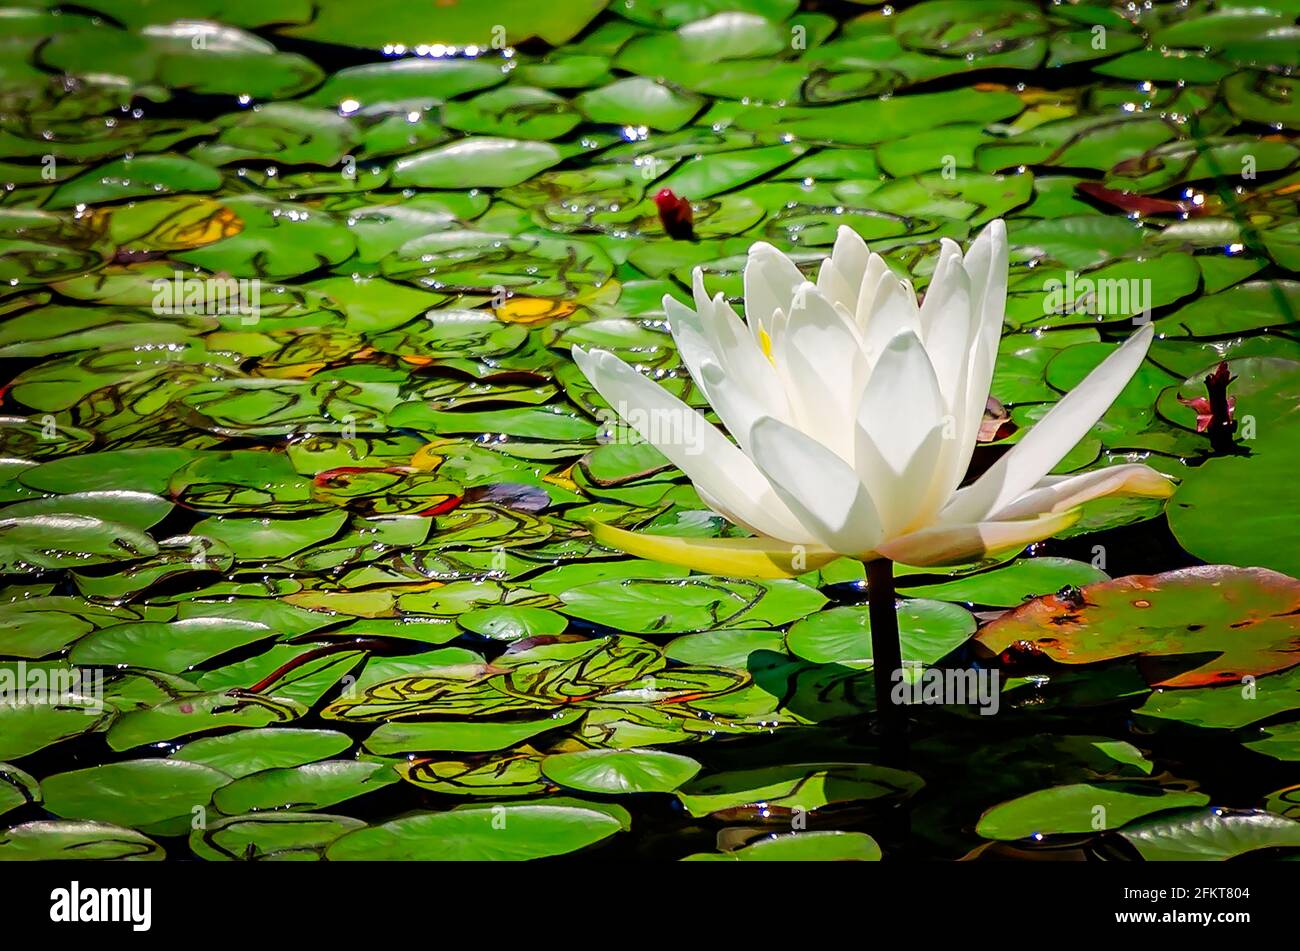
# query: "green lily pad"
507, 833
482, 161
517, 773
134, 177
52, 840
17, 788
280, 132
1009, 585
927, 631
1229, 706
723, 648
1211, 834
310, 787
31, 724
1082, 807
467, 737
800, 847
171, 647
33, 542
32, 634
249, 751
796, 787
161, 795
1250, 306
511, 623
199, 712
639, 101
133, 470
270, 836
266, 538
390, 22
620, 771
699, 603
1280, 742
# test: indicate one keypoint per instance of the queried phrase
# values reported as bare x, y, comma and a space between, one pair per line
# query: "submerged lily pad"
804, 787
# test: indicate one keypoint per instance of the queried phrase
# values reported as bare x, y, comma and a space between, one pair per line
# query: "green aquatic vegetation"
312, 528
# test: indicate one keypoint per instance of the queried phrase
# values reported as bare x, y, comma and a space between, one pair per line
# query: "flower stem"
886, 656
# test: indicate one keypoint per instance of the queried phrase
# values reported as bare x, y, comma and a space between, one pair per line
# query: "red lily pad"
1189, 628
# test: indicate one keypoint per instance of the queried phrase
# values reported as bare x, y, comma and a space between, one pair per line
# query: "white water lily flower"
855, 414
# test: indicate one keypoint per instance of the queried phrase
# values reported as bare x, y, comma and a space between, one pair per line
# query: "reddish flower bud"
1217, 407
676, 215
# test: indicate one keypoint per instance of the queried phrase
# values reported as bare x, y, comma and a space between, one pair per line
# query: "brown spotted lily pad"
1189, 628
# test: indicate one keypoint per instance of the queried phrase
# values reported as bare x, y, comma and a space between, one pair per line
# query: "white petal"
876, 269
949, 544
733, 402
770, 281
850, 255
901, 401
688, 332
899, 434
824, 369
1062, 493
835, 287
986, 268
818, 487
739, 356
1055, 434
840, 277
697, 289
948, 263
691, 443
946, 319
893, 310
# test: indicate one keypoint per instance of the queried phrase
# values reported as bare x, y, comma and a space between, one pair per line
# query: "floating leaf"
505, 833
309, 787
1079, 808
171, 647
698, 603
1205, 625
49, 840
1009, 585
801, 847
804, 786
620, 771
270, 837
148, 794
1211, 835
16, 788
928, 631
250, 751
467, 737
